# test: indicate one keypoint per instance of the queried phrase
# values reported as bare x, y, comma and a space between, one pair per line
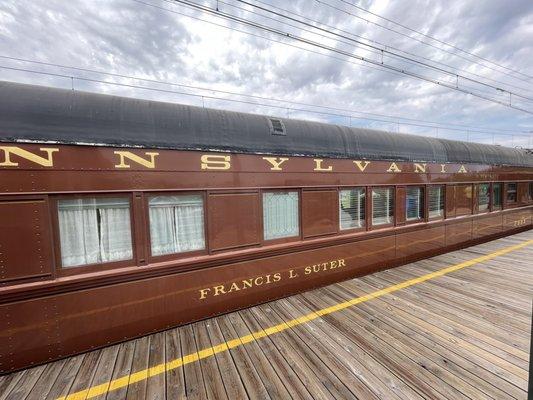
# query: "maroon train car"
122, 217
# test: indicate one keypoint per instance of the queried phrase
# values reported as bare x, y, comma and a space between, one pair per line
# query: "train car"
121, 217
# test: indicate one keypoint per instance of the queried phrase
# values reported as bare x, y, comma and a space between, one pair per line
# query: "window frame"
96, 267
424, 206
173, 256
371, 226
489, 205
443, 216
299, 236
365, 219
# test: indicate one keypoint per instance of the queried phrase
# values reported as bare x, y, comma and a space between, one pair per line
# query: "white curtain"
94, 230
280, 215
382, 206
176, 224
115, 234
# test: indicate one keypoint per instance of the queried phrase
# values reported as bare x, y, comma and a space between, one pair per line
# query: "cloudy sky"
171, 51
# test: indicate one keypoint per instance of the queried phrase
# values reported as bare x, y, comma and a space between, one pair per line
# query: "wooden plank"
123, 365
245, 366
46, 381
420, 375
175, 379
86, 372
447, 350
266, 372
214, 385
451, 331
352, 365
230, 375
65, 380
194, 381
137, 390
297, 361
26, 383
156, 385
8, 382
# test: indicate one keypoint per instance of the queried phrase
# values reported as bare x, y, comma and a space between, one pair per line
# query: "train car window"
496, 196
414, 203
511, 193
94, 230
352, 208
483, 197
530, 192
436, 201
280, 215
176, 224
382, 206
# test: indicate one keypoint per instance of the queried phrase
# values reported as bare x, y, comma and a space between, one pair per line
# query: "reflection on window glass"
414, 203
280, 215
352, 208
511, 193
436, 201
382, 206
496, 195
176, 224
483, 197
94, 230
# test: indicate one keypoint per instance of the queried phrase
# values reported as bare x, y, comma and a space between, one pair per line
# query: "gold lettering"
43, 161
394, 168
276, 162
277, 277
420, 167
215, 162
462, 170
203, 293
443, 168
292, 274
247, 283
258, 281
234, 287
307, 270
135, 158
362, 166
333, 264
318, 166
219, 290
342, 263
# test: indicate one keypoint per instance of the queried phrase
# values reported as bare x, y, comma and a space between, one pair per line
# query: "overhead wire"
345, 53
435, 39
384, 50
286, 11
418, 40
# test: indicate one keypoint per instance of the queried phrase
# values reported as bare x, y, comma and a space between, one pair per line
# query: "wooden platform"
451, 327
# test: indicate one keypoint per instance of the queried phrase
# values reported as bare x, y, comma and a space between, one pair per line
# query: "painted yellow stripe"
130, 379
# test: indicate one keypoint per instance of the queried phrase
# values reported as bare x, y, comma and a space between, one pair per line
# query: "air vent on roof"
276, 127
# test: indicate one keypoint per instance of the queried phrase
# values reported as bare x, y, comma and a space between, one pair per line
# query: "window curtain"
176, 224
280, 215
94, 230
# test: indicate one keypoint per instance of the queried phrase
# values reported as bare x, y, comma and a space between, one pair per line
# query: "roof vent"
276, 127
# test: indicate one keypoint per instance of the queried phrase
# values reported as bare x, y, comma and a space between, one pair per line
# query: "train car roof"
44, 114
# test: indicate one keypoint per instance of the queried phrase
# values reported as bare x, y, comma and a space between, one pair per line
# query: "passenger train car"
121, 217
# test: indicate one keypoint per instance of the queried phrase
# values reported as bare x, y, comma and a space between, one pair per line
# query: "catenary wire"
437, 40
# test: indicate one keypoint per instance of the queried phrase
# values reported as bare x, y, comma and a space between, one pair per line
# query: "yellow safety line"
127, 380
